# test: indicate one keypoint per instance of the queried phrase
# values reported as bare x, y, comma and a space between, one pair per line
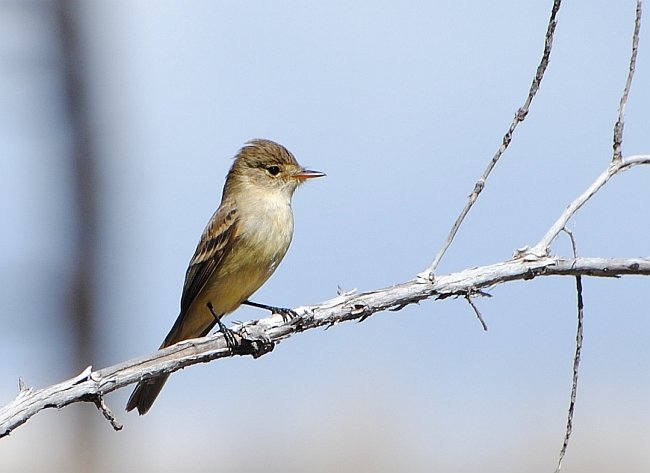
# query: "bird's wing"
216, 241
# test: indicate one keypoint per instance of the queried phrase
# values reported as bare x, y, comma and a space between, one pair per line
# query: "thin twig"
520, 116
468, 298
576, 359
108, 415
620, 123
542, 248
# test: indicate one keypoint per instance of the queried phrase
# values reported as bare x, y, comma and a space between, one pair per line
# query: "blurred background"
117, 127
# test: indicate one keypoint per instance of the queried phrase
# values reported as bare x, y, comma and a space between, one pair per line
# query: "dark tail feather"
145, 394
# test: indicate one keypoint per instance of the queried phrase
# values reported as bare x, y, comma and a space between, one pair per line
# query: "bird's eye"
273, 170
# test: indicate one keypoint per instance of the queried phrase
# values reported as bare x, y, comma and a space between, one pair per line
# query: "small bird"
240, 248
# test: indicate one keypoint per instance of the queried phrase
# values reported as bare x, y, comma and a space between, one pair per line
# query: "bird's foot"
228, 335
286, 314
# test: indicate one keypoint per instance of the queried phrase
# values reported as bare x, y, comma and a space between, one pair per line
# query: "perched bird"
240, 248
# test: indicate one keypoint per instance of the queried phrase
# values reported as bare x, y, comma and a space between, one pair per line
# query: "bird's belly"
241, 274
227, 293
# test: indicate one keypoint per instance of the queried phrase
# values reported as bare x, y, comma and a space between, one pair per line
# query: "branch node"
254, 347
426, 277
528, 253
85, 375
521, 114
253, 341
22, 385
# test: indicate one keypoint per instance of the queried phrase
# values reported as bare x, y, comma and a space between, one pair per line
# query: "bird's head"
263, 165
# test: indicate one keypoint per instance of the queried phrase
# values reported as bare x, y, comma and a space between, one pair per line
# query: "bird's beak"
304, 174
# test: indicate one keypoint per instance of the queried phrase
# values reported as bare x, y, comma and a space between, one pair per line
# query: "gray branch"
259, 336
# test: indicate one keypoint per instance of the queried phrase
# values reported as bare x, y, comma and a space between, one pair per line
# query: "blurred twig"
82, 323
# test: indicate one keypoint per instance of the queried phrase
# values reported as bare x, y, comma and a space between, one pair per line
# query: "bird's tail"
145, 393
147, 390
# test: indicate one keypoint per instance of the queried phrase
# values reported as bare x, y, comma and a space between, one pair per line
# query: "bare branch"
520, 116
92, 385
542, 248
469, 300
620, 123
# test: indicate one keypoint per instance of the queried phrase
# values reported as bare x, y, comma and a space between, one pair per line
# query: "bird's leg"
286, 314
228, 335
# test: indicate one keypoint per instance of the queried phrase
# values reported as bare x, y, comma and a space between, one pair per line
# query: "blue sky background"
402, 104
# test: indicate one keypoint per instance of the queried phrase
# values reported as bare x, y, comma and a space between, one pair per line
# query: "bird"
241, 246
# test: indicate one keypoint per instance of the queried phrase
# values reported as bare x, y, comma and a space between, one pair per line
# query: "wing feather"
215, 242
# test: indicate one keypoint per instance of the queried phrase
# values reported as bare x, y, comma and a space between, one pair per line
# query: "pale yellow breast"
264, 234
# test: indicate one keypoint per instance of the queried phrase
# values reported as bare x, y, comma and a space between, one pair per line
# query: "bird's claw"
228, 336
286, 314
